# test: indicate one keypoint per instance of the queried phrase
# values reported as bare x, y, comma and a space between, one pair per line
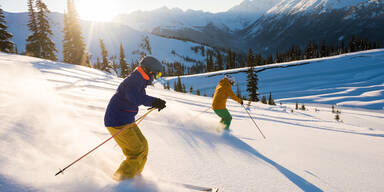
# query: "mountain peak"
252, 6
297, 6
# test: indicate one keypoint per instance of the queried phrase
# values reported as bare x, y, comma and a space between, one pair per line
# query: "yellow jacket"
222, 92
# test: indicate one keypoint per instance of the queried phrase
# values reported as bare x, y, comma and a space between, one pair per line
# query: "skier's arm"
133, 93
233, 96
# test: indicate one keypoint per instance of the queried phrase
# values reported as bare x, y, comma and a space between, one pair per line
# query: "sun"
95, 10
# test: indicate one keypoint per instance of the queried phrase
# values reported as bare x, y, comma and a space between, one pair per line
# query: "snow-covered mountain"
214, 29
52, 113
266, 26
300, 6
234, 19
349, 80
294, 22
112, 33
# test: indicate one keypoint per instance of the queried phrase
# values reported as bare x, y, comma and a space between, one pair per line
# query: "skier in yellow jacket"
222, 92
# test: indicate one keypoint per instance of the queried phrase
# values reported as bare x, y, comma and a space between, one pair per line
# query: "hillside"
52, 113
112, 33
351, 80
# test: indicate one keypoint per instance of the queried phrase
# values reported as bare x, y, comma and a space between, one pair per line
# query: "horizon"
118, 7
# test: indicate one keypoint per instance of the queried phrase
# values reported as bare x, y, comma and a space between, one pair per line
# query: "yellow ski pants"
135, 148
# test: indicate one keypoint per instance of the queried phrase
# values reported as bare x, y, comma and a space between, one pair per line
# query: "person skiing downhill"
222, 92
121, 112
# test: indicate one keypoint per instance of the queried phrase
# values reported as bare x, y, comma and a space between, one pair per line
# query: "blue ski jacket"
130, 94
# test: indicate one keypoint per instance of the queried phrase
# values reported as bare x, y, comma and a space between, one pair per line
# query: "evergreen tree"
252, 86
46, 45
73, 43
297, 105
104, 55
342, 47
32, 47
175, 86
263, 99
5, 44
270, 100
197, 92
250, 58
88, 60
219, 61
191, 89
234, 61
353, 44
179, 84
238, 91
323, 49
229, 60
209, 61
269, 59
97, 65
114, 64
144, 48
124, 71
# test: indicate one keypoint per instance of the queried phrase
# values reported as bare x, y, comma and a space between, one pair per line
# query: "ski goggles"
155, 75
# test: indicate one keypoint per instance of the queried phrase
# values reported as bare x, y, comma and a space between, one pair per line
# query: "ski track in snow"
52, 113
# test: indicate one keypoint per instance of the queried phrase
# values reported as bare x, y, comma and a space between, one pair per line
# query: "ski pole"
253, 121
137, 122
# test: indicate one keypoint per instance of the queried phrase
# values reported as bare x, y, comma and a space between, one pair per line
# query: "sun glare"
95, 10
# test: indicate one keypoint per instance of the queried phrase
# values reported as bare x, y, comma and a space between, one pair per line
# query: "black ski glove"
159, 104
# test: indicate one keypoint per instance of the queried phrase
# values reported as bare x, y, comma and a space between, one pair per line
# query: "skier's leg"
226, 117
134, 150
143, 156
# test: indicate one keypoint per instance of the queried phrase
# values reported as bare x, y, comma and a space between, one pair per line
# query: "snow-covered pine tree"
197, 92
32, 47
73, 43
6, 45
46, 45
252, 86
124, 69
104, 55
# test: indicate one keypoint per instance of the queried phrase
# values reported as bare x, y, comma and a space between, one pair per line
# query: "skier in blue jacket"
121, 112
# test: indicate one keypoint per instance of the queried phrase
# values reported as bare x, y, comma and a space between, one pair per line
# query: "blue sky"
90, 8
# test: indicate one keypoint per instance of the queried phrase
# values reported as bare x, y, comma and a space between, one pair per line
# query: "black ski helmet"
151, 64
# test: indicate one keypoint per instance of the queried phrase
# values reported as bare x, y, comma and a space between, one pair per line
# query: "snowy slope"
353, 80
52, 113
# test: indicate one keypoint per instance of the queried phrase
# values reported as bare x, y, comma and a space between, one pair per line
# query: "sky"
91, 9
